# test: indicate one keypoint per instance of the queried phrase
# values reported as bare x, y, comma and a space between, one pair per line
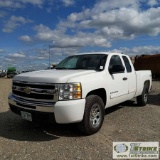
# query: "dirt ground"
20, 139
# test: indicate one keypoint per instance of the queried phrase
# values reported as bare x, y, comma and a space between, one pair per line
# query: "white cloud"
138, 50
10, 4
81, 40
115, 32
14, 22
68, 2
62, 40
2, 50
59, 52
8, 59
114, 20
69, 42
118, 21
17, 55
153, 2
128, 21
44, 33
18, 60
106, 21
20, 3
26, 38
41, 58
87, 13
16, 4
103, 5
34, 2
73, 17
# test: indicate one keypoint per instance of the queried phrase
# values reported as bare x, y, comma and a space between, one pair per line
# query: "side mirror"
116, 69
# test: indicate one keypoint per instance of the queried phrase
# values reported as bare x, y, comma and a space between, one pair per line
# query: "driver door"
118, 82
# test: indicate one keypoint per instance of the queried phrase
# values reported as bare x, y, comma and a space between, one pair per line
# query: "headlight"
70, 91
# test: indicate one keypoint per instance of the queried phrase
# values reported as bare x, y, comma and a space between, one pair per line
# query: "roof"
107, 53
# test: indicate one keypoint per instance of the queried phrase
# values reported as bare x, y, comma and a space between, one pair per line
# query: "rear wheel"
93, 115
143, 98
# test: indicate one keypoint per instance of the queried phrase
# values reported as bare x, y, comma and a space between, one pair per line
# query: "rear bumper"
62, 111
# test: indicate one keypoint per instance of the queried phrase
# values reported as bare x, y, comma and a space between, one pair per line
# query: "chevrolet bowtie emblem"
27, 90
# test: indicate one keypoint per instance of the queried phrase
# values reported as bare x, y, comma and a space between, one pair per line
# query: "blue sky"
29, 27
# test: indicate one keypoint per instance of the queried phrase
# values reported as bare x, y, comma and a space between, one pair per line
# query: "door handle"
125, 78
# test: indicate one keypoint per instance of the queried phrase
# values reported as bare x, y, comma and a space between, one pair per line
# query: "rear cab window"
127, 64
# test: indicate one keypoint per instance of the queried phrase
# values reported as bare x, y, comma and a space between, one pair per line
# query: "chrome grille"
43, 91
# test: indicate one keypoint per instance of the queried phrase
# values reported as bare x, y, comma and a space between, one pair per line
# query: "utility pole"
49, 56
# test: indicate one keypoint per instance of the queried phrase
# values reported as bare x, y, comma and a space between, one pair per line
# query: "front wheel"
143, 98
93, 115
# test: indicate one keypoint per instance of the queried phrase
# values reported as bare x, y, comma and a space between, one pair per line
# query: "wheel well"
99, 92
147, 84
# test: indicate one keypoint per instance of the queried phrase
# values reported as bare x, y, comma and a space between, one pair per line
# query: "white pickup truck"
79, 89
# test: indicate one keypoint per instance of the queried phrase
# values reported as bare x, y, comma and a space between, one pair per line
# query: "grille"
35, 85
32, 95
34, 90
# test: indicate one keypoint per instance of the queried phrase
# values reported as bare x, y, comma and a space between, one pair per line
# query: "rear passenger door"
131, 76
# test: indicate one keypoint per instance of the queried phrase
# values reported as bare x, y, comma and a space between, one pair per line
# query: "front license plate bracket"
26, 115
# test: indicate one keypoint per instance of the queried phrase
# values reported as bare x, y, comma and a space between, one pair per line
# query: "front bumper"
71, 111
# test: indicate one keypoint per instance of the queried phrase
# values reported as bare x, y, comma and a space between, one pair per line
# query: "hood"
51, 76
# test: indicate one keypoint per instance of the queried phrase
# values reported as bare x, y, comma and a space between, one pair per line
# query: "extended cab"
79, 89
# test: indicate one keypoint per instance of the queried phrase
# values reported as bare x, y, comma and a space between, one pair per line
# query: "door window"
115, 60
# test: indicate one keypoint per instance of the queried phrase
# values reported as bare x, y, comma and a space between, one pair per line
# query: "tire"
93, 115
143, 98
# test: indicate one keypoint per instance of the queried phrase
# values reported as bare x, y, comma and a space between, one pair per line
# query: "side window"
127, 64
115, 60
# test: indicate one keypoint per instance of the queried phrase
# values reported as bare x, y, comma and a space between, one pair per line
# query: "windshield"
89, 62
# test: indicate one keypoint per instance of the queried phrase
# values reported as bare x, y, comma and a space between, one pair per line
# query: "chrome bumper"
32, 105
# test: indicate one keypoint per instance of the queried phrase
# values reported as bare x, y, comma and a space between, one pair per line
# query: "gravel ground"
24, 140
